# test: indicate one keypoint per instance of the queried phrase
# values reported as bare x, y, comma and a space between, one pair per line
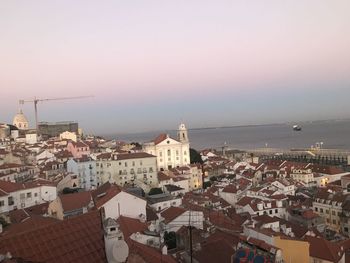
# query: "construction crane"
36, 100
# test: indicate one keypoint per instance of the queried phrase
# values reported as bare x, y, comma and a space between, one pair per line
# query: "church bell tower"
182, 134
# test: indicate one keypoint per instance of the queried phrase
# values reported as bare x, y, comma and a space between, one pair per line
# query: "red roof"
9, 187
149, 254
78, 239
215, 251
28, 224
171, 213
75, 201
160, 138
324, 249
105, 193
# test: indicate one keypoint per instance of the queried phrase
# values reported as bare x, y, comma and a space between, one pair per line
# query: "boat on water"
296, 128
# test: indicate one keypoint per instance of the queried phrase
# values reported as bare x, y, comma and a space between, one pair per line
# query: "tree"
68, 190
207, 184
213, 178
3, 222
155, 191
195, 157
136, 144
170, 239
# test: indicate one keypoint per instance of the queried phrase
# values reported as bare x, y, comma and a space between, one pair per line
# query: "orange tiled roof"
78, 239
171, 213
75, 201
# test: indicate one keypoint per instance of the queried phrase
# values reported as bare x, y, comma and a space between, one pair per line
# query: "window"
22, 196
140, 162
160, 154
316, 209
169, 152
276, 211
177, 152
333, 213
270, 212
35, 194
151, 170
133, 163
185, 153
126, 164
334, 222
10, 200
346, 229
29, 195
120, 172
120, 163
327, 211
321, 210
2, 203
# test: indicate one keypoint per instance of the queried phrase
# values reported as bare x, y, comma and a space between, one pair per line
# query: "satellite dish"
120, 251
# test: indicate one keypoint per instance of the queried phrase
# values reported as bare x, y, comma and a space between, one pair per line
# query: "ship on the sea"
296, 128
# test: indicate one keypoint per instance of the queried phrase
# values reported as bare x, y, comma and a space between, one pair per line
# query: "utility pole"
190, 230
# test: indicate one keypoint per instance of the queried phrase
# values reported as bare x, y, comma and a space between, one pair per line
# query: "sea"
331, 134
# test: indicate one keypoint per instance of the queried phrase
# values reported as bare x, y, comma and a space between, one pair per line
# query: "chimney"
116, 248
165, 250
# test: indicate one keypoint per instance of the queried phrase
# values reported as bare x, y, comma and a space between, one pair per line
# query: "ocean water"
333, 134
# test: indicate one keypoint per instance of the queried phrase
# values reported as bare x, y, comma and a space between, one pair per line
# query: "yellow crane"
36, 100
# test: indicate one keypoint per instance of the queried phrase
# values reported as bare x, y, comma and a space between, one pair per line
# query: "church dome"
20, 121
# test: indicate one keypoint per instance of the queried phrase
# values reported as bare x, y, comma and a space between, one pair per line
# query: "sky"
152, 64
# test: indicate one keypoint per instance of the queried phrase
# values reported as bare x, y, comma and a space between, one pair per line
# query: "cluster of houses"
72, 200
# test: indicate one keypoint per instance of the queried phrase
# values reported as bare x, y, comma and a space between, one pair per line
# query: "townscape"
69, 197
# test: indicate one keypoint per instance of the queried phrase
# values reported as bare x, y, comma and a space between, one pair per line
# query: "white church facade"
170, 152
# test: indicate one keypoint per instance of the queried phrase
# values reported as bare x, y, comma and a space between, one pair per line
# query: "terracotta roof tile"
160, 138
324, 249
75, 201
105, 193
79, 239
171, 213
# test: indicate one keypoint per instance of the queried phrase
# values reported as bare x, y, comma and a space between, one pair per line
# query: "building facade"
54, 129
85, 169
128, 168
170, 152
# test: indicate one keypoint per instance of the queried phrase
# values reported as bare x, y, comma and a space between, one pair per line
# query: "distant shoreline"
291, 123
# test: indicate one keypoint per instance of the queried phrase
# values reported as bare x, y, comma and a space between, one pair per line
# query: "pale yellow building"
293, 251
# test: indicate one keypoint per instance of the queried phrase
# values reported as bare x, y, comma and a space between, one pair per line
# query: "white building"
85, 169
68, 136
116, 202
31, 138
16, 195
170, 152
160, 202
305, 176
127, 168
176, 217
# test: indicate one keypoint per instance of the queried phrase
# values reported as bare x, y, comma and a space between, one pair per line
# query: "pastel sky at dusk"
153, 64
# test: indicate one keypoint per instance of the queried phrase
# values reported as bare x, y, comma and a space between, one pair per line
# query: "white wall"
166, 204
196, 219
125, 204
